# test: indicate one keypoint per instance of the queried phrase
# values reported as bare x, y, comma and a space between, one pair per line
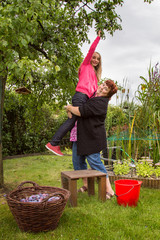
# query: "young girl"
89, 76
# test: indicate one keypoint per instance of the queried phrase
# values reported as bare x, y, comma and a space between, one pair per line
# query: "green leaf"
57, 68
24, 42
4, 43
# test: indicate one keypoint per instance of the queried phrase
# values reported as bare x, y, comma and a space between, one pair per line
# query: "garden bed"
147, 182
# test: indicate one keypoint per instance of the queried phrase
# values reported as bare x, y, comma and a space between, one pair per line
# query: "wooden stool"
69, 181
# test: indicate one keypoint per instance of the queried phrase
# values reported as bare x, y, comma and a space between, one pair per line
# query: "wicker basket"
39, 216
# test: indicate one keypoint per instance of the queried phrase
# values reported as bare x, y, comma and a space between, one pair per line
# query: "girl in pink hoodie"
89, 76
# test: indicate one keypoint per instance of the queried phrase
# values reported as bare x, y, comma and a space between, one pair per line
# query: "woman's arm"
74, 110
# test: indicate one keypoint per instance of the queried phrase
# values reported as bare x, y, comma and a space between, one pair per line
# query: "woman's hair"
113, 87
98, 68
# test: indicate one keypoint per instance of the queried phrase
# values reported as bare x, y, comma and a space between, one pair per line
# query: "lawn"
91, 219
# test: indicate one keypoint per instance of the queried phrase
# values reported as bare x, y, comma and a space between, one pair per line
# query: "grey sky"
128, 54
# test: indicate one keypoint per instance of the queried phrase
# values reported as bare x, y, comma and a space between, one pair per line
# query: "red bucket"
127, 192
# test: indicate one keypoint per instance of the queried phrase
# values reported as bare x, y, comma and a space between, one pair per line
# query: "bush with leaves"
27, 126
121, 168
157, 172
144, 169
115, 119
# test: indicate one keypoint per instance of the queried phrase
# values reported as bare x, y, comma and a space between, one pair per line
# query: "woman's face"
103, 90
95, 59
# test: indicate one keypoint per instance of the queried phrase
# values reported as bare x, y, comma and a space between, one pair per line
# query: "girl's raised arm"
92, 49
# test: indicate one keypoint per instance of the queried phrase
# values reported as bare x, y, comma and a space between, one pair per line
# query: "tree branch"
39, 49
90, 8
84, 4
40, 24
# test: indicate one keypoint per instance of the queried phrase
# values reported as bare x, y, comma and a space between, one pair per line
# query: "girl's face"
95, 59
103, 90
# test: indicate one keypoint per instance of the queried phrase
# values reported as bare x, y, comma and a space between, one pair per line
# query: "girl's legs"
77, 100
95, 163
63, 129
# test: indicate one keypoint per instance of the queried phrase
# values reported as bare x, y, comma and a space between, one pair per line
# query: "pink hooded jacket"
88, 83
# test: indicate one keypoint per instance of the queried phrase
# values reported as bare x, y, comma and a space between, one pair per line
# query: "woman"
91, 134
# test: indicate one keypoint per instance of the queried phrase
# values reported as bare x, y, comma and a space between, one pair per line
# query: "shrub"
157, 172
144, 169
27, 127
121, 168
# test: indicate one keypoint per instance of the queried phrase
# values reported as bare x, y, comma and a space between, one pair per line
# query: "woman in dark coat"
91, 134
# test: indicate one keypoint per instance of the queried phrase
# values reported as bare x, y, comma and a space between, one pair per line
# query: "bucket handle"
124, 193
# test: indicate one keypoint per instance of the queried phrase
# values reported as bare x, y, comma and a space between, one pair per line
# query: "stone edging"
147, 182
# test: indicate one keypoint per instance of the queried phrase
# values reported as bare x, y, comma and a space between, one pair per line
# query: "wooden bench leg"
73, 190
91, 189
102, 188
64, 182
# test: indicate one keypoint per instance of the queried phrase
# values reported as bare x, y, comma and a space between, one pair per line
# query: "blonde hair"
98, 68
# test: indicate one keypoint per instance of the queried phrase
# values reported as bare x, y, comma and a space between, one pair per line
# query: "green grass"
91, 219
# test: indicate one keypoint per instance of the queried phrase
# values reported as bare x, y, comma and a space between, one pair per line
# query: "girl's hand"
68, 112
67, 107
99, 33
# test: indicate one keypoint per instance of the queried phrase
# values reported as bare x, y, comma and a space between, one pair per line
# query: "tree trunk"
2, 89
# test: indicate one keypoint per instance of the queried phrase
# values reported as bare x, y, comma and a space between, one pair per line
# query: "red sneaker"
55, 149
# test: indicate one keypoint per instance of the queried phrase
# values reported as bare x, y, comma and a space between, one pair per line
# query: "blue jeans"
77, 100
94, 161
79, 162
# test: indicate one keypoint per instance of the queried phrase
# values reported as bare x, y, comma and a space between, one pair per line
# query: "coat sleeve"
94, 107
